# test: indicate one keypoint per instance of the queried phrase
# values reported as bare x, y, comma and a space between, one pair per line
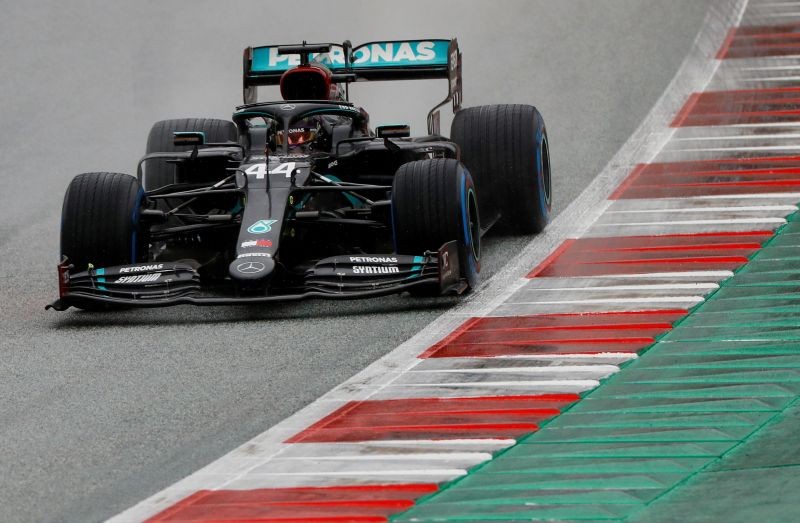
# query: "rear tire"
505, 149
100, 221
160, 140
435, 202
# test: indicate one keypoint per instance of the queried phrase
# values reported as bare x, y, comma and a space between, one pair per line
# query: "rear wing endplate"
388, 60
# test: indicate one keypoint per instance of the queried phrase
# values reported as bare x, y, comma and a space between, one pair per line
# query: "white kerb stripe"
446, 442
738, 137
446, 456
699, 222
520, 370
650, 287
790, 208
740, 149
720, 275
571, 384
772, 79
777, 195
373, 473
664, 299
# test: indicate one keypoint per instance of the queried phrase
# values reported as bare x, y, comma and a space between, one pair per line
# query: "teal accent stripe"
417, 267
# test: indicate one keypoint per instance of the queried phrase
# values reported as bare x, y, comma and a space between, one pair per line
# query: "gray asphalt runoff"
98, 411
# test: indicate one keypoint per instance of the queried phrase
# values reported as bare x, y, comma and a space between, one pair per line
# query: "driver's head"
307, 82
300, 135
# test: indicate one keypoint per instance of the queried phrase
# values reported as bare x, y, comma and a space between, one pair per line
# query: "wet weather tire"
100, 221
435, 202
506, 150
160, 140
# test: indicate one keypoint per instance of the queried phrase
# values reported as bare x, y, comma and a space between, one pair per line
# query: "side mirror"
190, 138
393, 131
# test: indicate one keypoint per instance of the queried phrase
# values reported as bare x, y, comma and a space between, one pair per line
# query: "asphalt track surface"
98, 411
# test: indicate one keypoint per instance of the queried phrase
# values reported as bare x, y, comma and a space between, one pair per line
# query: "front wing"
339, 277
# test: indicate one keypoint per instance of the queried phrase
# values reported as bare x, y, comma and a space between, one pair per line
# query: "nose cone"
251, 267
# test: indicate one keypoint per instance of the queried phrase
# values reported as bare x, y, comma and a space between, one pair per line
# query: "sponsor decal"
373, 259
375, 269
257, 243
142, 268
252, 254
250, 267
139, 278
377, 54
333, 164
401, 53
288, 107
261, 226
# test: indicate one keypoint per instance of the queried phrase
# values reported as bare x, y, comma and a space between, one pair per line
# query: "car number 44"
260, 169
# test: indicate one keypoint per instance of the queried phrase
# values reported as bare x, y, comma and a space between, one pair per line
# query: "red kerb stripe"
723, 176
362, 503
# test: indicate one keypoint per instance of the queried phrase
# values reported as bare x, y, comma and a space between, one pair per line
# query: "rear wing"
388, 60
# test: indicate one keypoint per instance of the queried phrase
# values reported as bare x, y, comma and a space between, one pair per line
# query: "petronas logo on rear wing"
375, 54
385, 60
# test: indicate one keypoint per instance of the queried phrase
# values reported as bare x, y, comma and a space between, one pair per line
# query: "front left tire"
100, 221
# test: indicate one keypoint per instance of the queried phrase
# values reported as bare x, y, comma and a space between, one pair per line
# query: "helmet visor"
295, 136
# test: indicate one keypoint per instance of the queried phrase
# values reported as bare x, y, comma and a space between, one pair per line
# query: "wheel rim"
546, 170
474, 224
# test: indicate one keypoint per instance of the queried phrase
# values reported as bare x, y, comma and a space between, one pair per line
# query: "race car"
301, 198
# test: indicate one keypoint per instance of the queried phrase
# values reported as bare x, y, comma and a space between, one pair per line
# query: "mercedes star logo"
250, 267
288, 107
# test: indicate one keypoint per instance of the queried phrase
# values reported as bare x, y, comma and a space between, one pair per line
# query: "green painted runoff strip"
702, 427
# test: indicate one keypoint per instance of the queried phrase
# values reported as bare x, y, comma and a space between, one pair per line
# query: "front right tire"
435, 202
506, 150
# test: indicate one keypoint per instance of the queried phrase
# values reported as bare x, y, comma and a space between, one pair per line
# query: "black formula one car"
301, 198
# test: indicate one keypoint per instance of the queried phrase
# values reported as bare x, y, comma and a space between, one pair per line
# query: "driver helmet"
300, 135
